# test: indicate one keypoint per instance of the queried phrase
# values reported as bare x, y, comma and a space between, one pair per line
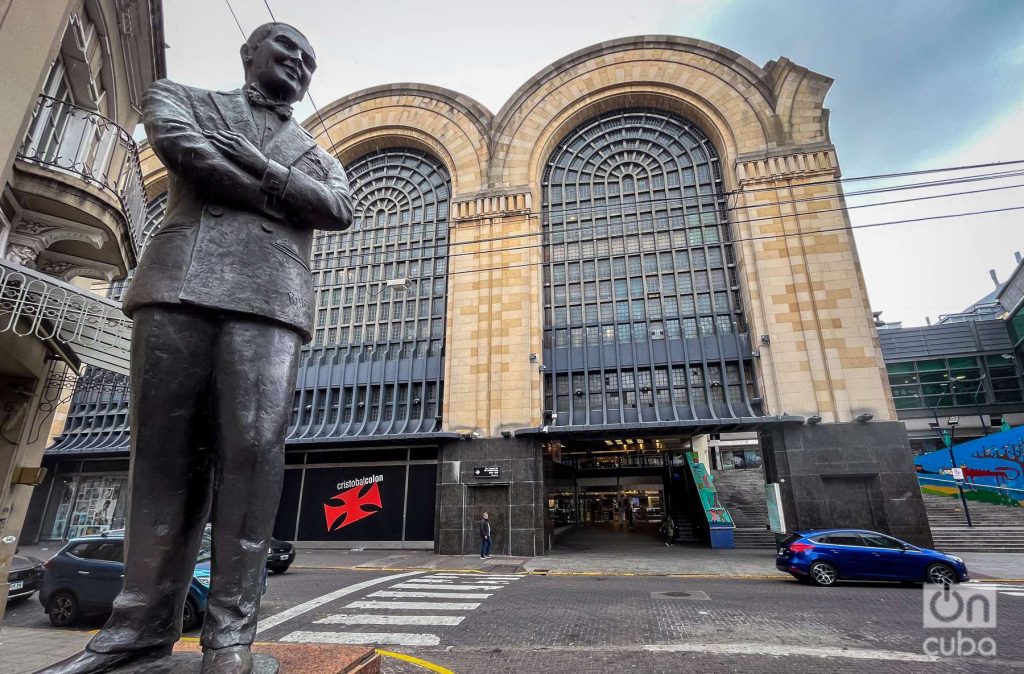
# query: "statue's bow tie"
256, 97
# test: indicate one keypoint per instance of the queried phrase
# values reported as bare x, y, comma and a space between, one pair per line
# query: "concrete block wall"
514, 501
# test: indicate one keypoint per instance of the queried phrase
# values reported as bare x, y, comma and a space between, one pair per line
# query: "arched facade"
779, 330
728, 298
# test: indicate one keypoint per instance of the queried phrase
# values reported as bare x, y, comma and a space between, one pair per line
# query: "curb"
542, 572
419, 662
637, 574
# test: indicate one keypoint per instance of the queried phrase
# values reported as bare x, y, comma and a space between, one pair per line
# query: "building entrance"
674, 489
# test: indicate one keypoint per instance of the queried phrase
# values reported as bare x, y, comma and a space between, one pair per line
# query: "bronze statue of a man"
222, 301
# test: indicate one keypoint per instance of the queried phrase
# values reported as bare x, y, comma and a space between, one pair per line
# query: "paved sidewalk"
24, 650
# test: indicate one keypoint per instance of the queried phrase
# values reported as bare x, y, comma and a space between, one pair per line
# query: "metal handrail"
35, 304
71, 138
971, 485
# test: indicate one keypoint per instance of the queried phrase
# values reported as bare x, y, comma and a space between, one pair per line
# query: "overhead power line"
763, 204
781, 236
340, 259
355, 257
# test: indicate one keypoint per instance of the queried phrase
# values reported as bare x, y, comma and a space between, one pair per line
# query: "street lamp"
953, 422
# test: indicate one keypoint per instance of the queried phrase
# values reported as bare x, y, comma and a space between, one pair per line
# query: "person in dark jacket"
485, 537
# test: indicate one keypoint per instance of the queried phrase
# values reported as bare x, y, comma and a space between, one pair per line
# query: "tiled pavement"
21, 647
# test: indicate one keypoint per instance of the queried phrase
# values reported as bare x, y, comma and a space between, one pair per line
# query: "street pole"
952, 462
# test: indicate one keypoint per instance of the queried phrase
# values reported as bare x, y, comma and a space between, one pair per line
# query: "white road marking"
1013, 594
780, 650
299, 609
375, 619
363, 638
436, 586
443, 581
474, 575
425, 595
416, 605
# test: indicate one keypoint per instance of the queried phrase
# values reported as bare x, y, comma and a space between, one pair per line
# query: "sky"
919, 84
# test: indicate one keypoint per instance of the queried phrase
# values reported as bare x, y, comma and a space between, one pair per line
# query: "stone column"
492, 383
804, 290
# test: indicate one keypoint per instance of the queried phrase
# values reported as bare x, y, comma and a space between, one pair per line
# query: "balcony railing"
76, 140
37, 305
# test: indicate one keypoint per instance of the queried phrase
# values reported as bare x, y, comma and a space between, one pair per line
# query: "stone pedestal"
513, 499
857, 475
272, 658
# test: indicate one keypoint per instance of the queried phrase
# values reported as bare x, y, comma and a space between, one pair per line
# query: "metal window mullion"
689, 249
629, 300
646, 293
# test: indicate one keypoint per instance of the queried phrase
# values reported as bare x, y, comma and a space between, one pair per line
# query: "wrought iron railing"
34, 304
70, 138
1003, 490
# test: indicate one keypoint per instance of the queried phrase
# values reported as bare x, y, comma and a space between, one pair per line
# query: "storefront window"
62, 497
98, 507
82, 505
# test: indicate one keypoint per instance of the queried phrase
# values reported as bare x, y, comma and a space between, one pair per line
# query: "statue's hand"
238, 149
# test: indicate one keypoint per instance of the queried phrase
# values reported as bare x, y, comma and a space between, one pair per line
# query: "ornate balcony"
82, 327
79, 188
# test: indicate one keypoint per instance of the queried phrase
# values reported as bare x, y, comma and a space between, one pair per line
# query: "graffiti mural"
993, 468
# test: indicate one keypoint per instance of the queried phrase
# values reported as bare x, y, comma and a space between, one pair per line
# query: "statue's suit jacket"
224, 244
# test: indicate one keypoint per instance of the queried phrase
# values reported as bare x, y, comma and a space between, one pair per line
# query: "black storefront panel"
419, 520
284, 525
357, 503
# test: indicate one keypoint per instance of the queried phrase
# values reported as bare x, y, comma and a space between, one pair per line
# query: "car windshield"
205, 549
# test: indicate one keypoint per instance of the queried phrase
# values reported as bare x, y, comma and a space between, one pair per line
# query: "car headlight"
956, 559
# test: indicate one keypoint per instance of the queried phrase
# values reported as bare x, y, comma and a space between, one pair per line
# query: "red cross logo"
353, 506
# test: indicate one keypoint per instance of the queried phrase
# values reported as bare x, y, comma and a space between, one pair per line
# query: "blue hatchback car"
825, 556
88, 572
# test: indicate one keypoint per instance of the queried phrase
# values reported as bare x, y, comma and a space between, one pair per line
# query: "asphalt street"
474, 622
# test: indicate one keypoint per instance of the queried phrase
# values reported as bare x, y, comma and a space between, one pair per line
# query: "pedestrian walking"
485, 538
668, 530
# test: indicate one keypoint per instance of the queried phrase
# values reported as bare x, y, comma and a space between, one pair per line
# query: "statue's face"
282, 64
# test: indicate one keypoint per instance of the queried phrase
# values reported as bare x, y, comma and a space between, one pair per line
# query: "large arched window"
642, 314
381, 289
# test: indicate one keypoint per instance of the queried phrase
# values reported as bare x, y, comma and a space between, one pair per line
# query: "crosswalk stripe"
461, 579
473, 576
416, 605
423, 595
375, 619
363, 638
435, 586
288, 614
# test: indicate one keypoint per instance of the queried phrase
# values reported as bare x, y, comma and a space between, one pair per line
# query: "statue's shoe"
230, 660
93, 662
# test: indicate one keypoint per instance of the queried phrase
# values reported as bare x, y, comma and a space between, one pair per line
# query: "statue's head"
279, 60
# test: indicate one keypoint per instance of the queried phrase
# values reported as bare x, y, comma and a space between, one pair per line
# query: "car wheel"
189, 616
823, 574
278, 569
941, 574
63, 609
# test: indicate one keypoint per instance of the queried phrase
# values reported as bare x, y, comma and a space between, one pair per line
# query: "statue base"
285, 659
189, 663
